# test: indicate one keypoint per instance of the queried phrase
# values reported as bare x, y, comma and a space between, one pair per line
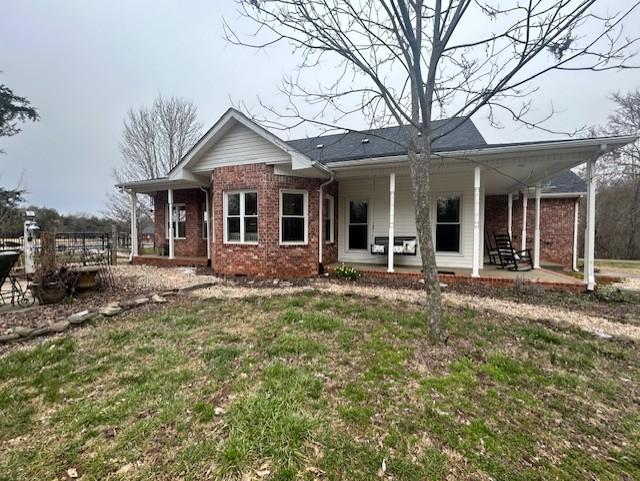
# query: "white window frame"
176, 206
305, 216
241, 216
435, 221
330, 218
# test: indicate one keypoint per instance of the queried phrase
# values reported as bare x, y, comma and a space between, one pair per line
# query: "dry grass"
320, 386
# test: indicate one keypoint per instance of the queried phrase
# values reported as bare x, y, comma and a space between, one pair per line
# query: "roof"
566, 182
388, 141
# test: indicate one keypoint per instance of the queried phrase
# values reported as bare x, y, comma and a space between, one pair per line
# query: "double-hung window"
448, 224
241, 217
327, 214
179, 221
294, 213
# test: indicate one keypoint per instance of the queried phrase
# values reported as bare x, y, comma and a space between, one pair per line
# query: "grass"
323, 387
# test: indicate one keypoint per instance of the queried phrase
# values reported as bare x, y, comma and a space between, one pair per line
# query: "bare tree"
407, 61
619, 183
153, 142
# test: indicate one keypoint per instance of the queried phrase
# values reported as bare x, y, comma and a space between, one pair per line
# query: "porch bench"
402, 245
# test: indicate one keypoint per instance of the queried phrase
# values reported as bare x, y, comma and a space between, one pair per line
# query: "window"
241, 217
327, 214
293, 216
179, 221
448, 224
205, 222
358, 225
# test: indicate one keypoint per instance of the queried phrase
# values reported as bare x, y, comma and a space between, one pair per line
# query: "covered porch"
376, 207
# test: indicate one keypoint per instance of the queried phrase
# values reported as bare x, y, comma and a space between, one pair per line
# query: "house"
249, 203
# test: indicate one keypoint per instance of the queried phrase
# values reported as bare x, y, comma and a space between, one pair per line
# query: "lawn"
320, 387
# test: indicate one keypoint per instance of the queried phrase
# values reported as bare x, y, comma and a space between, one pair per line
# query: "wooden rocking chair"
511, 258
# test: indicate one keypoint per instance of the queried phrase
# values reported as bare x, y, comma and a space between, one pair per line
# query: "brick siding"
556, 225
268, 258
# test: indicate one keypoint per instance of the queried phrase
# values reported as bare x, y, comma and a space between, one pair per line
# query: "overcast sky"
83, 64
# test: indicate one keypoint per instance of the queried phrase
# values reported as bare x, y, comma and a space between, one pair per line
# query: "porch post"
590, 229
392, 200
134, 224
208, 214
510, 214
523, 244
536, 232
475, 270
171, 233
576, 210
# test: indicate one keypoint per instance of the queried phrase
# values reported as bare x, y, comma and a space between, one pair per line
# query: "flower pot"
50, 293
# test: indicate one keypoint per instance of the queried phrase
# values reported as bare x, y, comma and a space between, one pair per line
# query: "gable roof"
387, 141
566, 182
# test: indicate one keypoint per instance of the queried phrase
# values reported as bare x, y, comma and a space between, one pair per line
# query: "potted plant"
51, 282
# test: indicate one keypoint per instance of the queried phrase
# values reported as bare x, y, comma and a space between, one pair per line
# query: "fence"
10, 242
76, 247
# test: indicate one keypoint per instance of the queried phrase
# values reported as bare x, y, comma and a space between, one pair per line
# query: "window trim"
175, 221
348, 223
437, 196
331, 219
241, 216
305, 216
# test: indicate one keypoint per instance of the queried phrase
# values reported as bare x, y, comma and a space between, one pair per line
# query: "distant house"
273, 208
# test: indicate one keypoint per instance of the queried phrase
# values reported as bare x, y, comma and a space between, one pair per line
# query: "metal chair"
8, 260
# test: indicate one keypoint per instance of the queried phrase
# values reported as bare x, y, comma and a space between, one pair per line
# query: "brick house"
249, 203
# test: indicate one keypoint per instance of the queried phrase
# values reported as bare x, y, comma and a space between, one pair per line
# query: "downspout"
320, 213
209, 226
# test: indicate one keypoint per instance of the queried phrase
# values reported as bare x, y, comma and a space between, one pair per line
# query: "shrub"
346, 272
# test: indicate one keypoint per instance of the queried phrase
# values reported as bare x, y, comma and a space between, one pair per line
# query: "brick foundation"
556, 225
412, 279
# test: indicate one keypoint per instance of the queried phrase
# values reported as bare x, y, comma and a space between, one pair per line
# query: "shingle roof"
387, 142
566, 182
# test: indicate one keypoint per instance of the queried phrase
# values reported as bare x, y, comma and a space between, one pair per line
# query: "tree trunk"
633, 221
420, 166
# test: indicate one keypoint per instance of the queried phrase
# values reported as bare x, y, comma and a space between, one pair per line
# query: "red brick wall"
194, 245
556, 225
268, 258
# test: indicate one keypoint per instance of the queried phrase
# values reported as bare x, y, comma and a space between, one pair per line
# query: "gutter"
320, 215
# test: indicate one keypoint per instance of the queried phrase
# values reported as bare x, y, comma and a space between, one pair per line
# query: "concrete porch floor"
489, 271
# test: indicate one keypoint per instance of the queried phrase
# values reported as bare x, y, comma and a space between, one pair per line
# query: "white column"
171, 223
523, 244
475, 271
510, 214
536, 232
392, 201
576, 211
590, 229
208, 214
134, 224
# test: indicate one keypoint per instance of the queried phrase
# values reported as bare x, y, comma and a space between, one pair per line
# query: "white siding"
376, 190
240, 145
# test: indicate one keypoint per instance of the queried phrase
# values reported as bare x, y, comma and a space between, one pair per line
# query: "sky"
84, 63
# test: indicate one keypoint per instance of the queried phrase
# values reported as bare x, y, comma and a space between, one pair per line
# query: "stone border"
79, 318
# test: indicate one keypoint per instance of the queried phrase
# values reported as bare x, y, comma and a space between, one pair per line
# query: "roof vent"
320, 146
419, 134
365, 141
